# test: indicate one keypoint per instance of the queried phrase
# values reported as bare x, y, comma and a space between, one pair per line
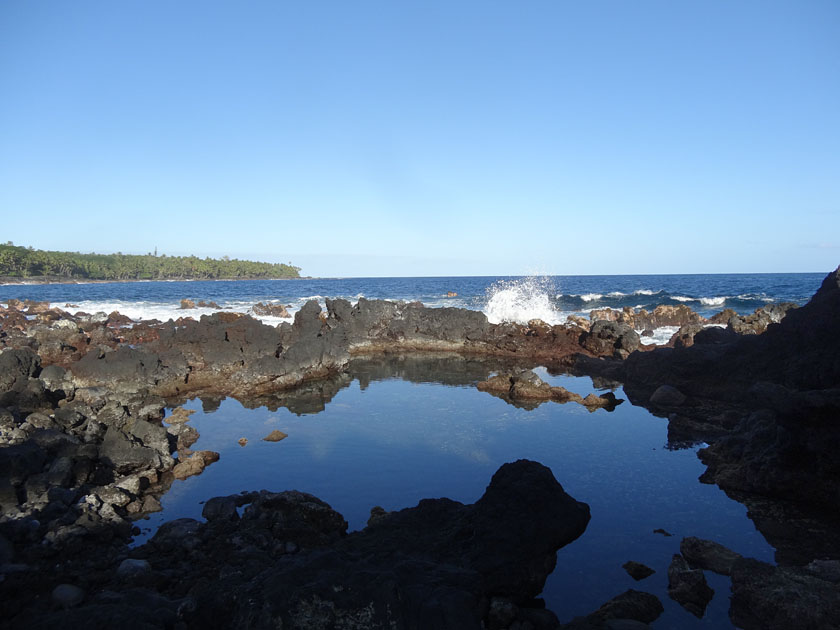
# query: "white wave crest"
754, 296
660, 336
714, 301
163, 311
682, 298
616, 294
644, 292
591, 297
521, 301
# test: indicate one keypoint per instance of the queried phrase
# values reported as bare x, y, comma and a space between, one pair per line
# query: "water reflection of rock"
443, 368
799, 536
310, 398
525, 390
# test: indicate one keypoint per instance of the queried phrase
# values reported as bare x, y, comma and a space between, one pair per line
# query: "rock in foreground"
271, 560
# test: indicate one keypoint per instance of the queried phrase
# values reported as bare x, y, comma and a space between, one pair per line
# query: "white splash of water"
521, 301
661, 335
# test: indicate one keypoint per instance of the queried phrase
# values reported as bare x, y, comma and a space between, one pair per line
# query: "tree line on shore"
26, 262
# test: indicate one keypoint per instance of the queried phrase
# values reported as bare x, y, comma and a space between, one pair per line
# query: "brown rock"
275, 436
270, 310
499, 384
179, 415
242, 441
185, 304
194, 464
580, 322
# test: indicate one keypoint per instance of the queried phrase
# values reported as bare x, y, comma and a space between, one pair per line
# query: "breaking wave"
522, 300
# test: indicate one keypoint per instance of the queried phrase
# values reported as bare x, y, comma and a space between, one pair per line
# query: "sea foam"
521, 301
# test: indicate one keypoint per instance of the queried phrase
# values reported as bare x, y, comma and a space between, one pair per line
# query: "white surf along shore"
518, 301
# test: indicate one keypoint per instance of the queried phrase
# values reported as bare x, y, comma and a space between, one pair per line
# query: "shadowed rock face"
775, 598
422, 567
770, 403
287, 562
799, 353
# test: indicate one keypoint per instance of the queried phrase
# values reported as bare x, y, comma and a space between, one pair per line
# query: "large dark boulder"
430, 566
611, 339
16, 368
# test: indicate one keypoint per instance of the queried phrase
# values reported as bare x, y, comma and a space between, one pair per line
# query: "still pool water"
393, 438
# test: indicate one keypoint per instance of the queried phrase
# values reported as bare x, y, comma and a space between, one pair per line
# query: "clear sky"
427, 138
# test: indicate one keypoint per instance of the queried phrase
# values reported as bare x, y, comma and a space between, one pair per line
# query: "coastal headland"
87, 447
35, 266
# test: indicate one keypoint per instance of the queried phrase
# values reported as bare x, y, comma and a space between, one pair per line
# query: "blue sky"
434, 138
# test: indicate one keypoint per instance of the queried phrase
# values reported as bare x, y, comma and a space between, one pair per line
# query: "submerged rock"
637, 570
275, 436
688, 587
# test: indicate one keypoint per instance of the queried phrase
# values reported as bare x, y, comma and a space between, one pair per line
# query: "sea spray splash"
522, 300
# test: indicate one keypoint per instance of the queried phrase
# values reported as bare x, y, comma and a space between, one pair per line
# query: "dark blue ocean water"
552, 298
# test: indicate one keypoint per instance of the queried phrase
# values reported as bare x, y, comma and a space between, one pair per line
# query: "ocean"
550, 298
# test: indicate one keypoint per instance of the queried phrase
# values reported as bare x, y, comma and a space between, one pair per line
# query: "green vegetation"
23, 262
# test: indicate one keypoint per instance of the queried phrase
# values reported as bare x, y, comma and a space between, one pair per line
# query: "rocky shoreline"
86, 447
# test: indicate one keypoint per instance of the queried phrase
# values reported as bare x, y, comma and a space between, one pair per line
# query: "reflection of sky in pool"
397, 442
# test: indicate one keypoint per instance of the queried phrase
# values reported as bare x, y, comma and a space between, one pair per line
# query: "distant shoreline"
39, 280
